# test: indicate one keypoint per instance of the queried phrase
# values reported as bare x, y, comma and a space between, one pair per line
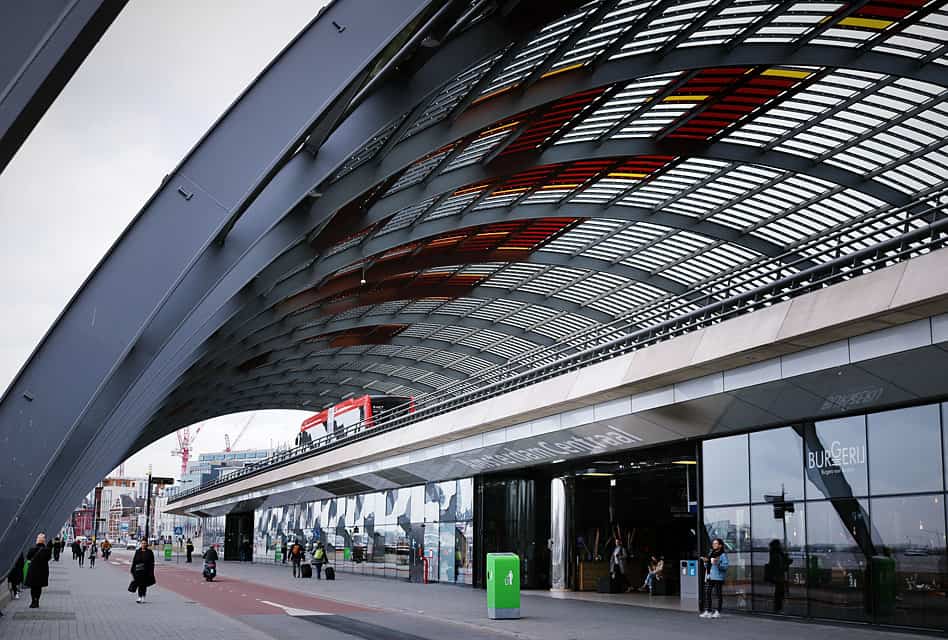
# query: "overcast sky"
153, 85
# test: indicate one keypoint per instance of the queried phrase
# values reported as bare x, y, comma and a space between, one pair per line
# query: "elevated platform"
837, 349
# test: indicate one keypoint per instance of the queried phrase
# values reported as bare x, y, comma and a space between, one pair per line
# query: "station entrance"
564, 520
648, 501
238, 536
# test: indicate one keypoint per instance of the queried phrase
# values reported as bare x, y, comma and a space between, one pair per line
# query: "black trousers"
35, 593
142, 590
712, 588
297, 572
319, 570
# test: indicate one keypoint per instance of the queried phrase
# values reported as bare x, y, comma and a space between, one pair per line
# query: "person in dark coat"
56, 549
15, 578
189, 549
143, 570
76, 550
37, 576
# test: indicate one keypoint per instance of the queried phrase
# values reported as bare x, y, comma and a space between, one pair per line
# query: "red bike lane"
234, 597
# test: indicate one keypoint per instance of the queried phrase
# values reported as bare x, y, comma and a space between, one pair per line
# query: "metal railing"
908, 231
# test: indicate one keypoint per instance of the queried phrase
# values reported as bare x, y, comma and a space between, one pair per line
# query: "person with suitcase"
319, 559
296, 557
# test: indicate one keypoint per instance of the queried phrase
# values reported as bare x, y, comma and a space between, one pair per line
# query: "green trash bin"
884, 589
168, 551
503, 586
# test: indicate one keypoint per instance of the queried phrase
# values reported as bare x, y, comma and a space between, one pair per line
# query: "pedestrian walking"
296, 557
15, 577
617, 566
93, 551
715, 566
283, 551
76, 549
189, 549
37, 571
143, 571
319, 559
106, 549
57, 548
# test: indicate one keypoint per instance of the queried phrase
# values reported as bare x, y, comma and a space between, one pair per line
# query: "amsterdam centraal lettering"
612, 438
835, 458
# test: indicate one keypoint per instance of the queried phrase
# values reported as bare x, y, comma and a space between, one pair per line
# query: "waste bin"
883, 585
690, 581
168, 551
503, 586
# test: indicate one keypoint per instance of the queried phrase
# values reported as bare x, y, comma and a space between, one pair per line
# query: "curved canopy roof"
473, 190
623, 164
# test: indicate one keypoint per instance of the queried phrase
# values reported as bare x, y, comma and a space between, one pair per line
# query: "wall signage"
836, 458
608, 437
846, 401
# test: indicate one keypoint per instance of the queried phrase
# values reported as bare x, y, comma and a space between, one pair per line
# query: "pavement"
264, 602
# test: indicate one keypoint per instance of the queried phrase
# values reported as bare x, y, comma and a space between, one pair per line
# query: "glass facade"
385, 533
841, 519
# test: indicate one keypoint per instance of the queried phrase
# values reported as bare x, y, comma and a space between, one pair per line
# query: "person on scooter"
210, 563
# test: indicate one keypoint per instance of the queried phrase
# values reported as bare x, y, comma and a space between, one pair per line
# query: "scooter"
210, 570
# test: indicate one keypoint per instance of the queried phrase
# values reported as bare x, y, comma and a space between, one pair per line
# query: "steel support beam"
164, 264
42, 44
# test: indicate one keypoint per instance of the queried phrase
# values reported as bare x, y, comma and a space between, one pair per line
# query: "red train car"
353, 411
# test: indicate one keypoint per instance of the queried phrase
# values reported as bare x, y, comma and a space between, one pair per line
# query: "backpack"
320, 554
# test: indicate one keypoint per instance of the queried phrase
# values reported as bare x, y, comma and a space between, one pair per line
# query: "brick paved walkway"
264, 602
93, 604
544, 618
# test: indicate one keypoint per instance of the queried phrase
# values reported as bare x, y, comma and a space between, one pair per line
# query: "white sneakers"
708, 614
139, 601
716, 614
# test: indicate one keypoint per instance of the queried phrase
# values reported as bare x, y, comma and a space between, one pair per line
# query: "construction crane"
243, 430
185, 442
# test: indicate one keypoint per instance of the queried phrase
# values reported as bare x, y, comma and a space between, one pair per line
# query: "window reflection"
732, 525
905, 451
779, 561
836, 460
725, 470
909, 569
776, 465
839, 547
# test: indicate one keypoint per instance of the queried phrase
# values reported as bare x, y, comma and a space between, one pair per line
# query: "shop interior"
648, 500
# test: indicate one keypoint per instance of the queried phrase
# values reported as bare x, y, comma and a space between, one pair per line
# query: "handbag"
26, 569
132, 586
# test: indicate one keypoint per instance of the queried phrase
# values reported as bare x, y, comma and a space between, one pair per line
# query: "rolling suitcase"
330, 573
306, 571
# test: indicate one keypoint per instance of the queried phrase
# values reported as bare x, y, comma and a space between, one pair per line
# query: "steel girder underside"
509, 179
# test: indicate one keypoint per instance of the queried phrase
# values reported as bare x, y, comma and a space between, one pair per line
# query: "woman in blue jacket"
715, 566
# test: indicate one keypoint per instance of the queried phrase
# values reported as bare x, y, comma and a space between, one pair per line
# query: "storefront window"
838, 550
465, 499
726, 468
732, 525
905, 451
908, 566
447, 562
779, 540
836, 462
776, 465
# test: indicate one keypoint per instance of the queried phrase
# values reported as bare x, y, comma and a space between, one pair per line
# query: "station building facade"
854, 503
